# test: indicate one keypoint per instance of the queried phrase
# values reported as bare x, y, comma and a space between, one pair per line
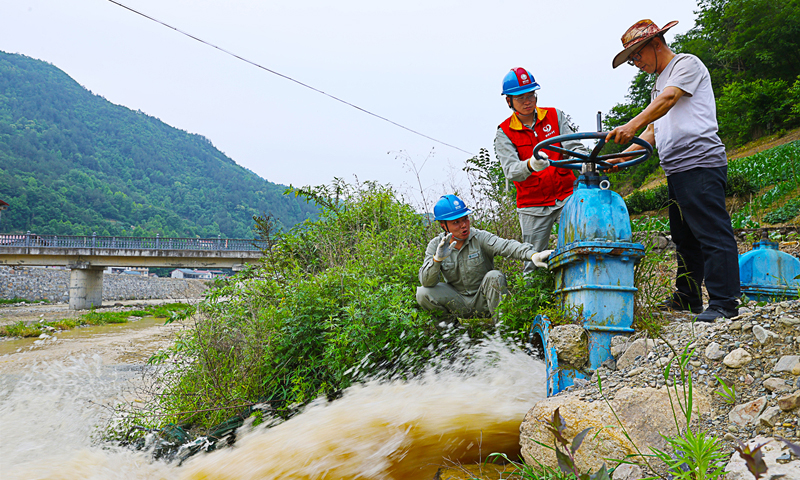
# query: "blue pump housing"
767, 274
594, 264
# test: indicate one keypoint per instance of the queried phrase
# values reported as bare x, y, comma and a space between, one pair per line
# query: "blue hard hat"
450, 207
519, 81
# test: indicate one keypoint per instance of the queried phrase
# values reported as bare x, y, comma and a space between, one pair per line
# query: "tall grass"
94, 317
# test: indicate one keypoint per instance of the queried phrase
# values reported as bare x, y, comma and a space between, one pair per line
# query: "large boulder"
646, 412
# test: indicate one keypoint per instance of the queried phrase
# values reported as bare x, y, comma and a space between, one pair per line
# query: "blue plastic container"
767, 274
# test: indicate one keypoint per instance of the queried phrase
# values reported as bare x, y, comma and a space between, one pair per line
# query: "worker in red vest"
541, 191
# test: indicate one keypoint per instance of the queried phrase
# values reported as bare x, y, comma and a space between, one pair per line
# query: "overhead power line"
285, 76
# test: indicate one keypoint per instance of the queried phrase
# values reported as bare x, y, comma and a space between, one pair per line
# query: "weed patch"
94, 317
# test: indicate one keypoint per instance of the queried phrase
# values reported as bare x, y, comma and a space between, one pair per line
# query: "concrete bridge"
86, 257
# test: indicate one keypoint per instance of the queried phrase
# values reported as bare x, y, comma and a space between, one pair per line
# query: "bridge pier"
85, 287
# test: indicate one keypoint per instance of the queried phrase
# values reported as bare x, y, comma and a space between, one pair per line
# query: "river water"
55, 397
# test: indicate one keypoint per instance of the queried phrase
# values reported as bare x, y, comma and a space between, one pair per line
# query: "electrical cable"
285, 76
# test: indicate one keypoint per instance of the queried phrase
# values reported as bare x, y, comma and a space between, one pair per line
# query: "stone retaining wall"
52, 285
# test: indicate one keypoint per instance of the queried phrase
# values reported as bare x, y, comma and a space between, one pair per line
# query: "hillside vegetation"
72, 163
764, 187
752, 51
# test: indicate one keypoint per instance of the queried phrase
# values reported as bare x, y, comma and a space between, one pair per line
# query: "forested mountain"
73, 163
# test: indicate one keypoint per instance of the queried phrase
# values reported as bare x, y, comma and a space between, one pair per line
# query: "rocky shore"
756, 356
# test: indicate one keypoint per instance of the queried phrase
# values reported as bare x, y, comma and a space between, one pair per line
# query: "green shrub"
739, 185
750, 109
647, 200
94, 317
785, 213
332, 302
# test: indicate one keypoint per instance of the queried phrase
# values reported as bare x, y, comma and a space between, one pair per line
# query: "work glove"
540, 258
445, 248
539, 164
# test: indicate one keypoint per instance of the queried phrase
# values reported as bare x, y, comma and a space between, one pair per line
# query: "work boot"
713, 312
679, 305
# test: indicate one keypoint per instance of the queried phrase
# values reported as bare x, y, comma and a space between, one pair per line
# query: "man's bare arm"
657, 109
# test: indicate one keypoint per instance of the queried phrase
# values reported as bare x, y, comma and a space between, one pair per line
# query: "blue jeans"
701, 229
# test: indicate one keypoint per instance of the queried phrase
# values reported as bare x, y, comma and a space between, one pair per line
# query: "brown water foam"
378, 430
397, 430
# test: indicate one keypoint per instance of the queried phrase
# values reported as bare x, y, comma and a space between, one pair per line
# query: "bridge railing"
131, 243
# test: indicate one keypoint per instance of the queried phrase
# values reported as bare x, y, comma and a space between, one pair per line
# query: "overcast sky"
435, 66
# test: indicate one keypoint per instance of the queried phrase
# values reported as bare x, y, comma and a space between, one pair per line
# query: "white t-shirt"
686, 136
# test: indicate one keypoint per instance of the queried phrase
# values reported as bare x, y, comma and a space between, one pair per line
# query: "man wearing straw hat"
682, 122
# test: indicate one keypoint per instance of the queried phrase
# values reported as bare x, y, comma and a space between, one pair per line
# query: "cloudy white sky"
434, 66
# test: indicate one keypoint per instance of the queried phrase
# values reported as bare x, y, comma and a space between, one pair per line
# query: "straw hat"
641, 31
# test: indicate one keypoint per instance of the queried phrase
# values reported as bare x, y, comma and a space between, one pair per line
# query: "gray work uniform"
472, 284
535, 222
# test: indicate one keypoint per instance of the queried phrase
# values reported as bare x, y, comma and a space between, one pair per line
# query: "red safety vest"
541, 189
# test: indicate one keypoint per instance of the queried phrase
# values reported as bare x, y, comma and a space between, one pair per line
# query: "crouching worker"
464, 258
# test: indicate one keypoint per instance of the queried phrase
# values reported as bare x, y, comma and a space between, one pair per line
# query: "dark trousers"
701, 229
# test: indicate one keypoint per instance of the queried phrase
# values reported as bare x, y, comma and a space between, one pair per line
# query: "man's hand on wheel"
539, 164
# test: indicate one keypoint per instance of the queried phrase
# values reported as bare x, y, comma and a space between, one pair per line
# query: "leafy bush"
647, 200
750, 109
739, 185
785, 213
657, 198
332, 302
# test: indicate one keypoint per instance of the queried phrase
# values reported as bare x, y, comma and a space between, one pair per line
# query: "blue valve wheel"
600, 160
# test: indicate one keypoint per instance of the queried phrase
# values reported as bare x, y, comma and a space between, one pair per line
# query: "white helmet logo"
523, 77
455, 203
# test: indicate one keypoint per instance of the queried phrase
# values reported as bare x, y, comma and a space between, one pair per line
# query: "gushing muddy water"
53, 405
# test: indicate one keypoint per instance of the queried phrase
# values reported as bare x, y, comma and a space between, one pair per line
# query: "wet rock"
746, 413
737, 358
571, 343
789, 402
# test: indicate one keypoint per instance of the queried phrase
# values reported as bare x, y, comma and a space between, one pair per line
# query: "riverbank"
33, 312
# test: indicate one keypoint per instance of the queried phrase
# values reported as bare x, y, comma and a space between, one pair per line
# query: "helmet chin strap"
655, 54
511, 103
